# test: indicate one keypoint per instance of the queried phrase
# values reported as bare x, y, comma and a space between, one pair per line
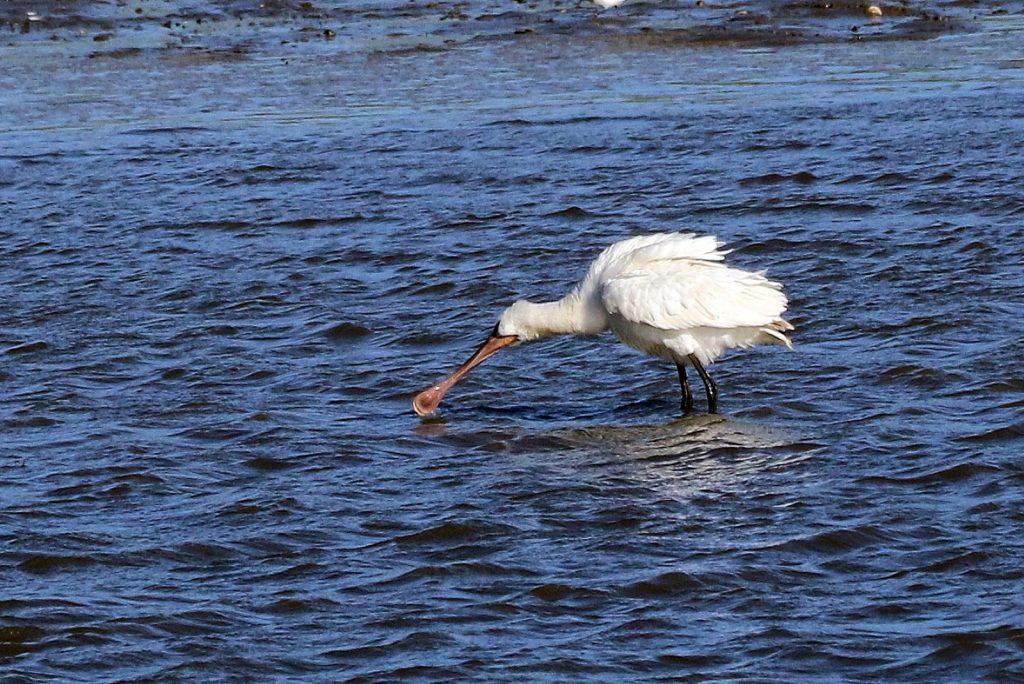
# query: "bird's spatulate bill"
427, 401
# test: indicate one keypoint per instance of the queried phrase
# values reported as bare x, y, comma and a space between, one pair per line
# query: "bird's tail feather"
773, 331
782, 324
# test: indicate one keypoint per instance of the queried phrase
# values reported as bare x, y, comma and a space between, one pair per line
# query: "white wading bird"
668, 295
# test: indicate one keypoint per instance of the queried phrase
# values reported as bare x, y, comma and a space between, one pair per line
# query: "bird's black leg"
709, 384
686, 404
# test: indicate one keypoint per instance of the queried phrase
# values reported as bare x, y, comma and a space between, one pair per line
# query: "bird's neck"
571, 315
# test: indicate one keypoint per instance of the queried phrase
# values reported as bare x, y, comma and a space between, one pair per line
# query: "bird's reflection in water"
694, 434
676, 458
689, 454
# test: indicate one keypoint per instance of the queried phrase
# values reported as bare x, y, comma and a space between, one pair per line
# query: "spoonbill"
669, 295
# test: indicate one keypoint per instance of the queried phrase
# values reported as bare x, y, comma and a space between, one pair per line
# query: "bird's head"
529, 321
519, 321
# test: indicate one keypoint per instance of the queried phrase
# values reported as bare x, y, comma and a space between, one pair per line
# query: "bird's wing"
646, 248
678, 293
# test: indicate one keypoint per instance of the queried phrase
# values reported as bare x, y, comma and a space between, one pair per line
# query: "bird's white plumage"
666, 294
671, 295
672, 289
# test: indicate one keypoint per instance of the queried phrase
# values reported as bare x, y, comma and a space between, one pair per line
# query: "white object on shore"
608, 4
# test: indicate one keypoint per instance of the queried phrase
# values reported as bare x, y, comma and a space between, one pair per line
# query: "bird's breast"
644, 338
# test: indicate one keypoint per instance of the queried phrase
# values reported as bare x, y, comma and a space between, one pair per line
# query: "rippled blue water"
223, 279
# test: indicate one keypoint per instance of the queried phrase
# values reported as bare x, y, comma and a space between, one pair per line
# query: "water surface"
226, 266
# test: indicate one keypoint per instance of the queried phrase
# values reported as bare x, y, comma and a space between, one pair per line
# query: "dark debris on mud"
231, 27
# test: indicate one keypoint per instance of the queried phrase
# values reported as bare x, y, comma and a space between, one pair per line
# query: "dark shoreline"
233, 27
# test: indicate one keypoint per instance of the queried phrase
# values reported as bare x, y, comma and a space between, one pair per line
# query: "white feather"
667, 294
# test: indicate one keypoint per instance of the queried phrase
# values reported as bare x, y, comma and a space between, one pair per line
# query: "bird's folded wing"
674, 294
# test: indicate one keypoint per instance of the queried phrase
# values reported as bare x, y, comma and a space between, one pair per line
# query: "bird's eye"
494, 333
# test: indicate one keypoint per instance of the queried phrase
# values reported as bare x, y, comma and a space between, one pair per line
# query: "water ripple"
231, 255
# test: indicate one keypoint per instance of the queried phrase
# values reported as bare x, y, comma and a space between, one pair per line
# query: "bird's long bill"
427, 401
